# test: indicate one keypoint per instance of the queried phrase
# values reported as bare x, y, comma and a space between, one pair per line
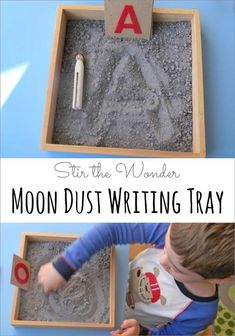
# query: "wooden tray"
66, 13
29, 237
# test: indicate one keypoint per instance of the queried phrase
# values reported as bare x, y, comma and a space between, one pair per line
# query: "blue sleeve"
105, 235
197, 317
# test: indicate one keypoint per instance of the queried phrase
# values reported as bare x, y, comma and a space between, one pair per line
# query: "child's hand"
130, 328
49, 278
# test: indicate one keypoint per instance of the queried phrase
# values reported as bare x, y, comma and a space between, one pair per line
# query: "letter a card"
20, 273
131, 18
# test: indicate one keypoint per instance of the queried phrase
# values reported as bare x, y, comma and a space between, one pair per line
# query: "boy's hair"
205, 248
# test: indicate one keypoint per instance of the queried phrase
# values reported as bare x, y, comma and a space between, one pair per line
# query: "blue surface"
10, 244
27, 29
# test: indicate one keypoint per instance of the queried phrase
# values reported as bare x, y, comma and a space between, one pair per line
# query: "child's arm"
186, 326
197, 317
105, 235
99, 237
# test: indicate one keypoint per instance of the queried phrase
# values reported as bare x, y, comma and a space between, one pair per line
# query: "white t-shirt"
153, 296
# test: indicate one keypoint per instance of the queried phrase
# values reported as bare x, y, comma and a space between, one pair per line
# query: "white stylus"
78, 82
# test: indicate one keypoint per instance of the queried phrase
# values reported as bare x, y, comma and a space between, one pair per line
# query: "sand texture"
85, 298
137, 93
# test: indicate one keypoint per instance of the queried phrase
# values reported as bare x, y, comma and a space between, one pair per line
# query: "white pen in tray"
78, 82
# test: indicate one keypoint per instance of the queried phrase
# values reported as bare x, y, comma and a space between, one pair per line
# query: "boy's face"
172, 264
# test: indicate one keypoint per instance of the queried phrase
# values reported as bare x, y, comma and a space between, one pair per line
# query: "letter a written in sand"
131, 18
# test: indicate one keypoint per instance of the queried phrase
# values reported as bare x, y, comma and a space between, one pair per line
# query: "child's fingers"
116, 332
43, 286
45, 289
44, 279
129, 328
130, 332
49, 278
129, 323
123, 332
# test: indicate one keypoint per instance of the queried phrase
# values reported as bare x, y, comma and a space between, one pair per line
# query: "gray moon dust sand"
137, 93
85, 298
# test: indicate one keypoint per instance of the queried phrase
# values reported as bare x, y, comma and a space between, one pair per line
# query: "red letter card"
131, 18
20, 273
